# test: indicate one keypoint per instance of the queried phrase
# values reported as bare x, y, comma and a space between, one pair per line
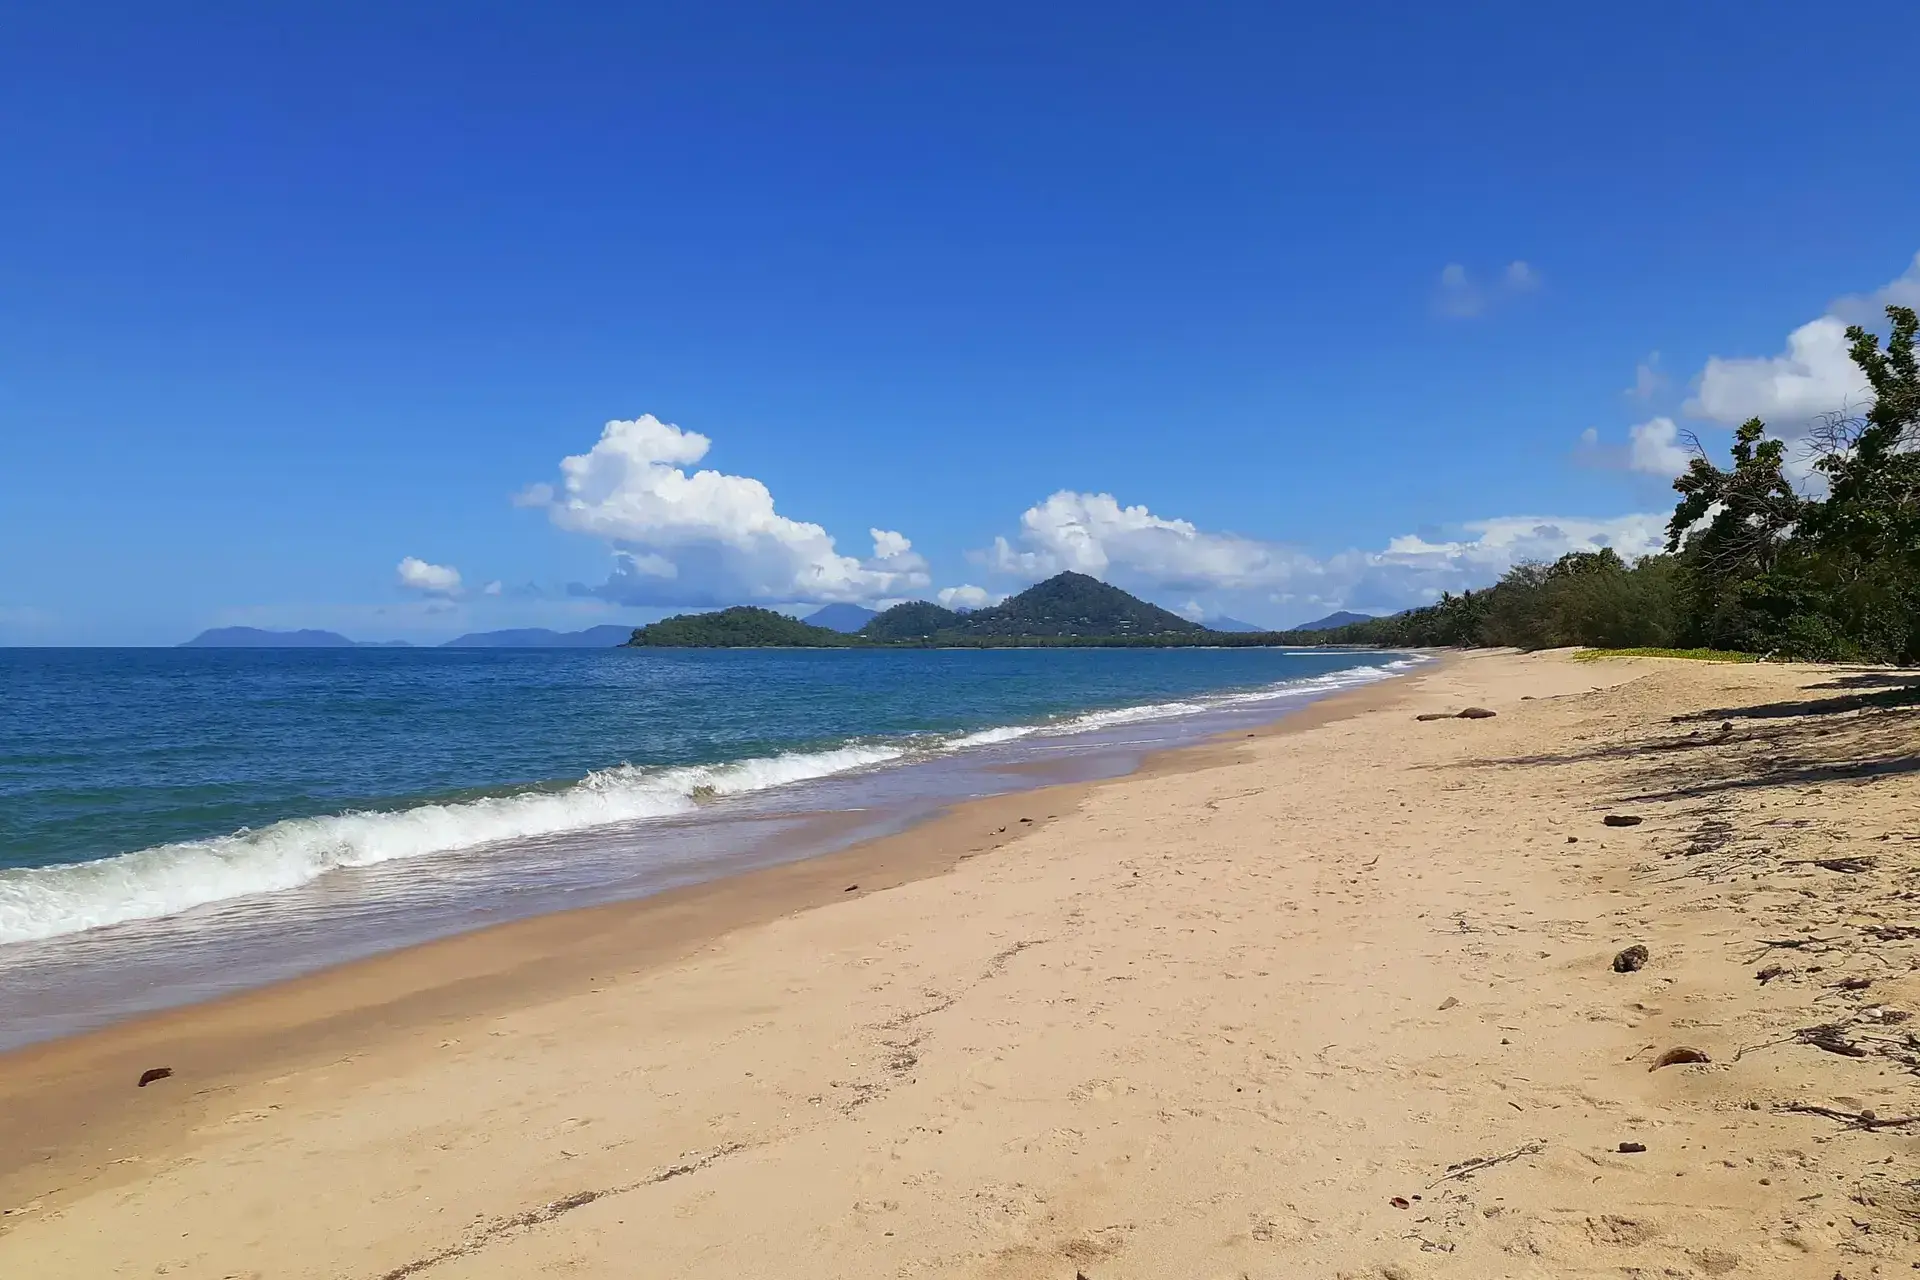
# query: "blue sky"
1259, 309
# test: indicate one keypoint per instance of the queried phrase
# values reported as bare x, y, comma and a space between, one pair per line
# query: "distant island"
257, 638
605, 636
1068, 609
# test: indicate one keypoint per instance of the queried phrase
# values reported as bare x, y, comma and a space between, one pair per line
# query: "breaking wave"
46, 902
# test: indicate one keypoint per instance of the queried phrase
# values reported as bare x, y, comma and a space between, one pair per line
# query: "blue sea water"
193, 787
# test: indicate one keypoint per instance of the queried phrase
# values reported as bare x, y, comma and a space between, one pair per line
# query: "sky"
405, 320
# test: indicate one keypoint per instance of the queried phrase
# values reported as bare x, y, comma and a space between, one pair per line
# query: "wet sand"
1242, 1013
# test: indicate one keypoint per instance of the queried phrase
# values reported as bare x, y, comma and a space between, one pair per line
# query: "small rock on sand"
1621, 820
1477, 713
1631, 959
1632, 1148
1448, 1003
151, 1074
1436, 715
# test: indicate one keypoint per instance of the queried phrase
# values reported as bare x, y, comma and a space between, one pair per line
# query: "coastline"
172, 920
390, 996
1336, 999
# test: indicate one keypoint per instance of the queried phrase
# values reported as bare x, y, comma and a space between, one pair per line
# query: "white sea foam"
46, 902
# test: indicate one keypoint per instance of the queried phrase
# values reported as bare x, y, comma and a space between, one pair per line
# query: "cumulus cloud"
704, 537
1461, 295
967, 596
1092, 533
1217, 572
416, 574
1654, 447
1812, 377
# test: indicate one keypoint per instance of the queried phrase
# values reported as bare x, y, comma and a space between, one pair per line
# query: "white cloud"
1092, 533
1460, 295
416, 574
493, 588
1654, 447
1648, 379
967, 596
1870, 309
705, 537
1224, 572
1812, 377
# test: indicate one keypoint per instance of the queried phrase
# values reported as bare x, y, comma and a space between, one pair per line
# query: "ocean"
178, 823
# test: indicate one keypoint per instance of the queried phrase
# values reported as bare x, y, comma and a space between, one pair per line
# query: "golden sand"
1336, 1000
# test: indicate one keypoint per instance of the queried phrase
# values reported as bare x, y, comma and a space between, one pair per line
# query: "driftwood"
1466, 1168
1851, 866
1832, 1037
1852, 1119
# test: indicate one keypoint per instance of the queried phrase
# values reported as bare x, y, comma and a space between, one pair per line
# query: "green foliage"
1585, 598
743, 627
914, 620
1825, 578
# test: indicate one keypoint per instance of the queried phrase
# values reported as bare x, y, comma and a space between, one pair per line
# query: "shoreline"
379, 892
1342, 999
395, 993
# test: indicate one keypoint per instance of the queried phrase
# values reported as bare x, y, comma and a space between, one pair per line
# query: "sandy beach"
1336, 999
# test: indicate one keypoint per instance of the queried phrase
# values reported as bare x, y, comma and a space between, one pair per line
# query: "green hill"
742, 627
914, 620
1072, 604
1067, 609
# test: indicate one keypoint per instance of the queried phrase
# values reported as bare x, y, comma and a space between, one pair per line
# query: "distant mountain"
742, 627
605, 636
1224, 623
1344, 618
841, 617
255, 638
